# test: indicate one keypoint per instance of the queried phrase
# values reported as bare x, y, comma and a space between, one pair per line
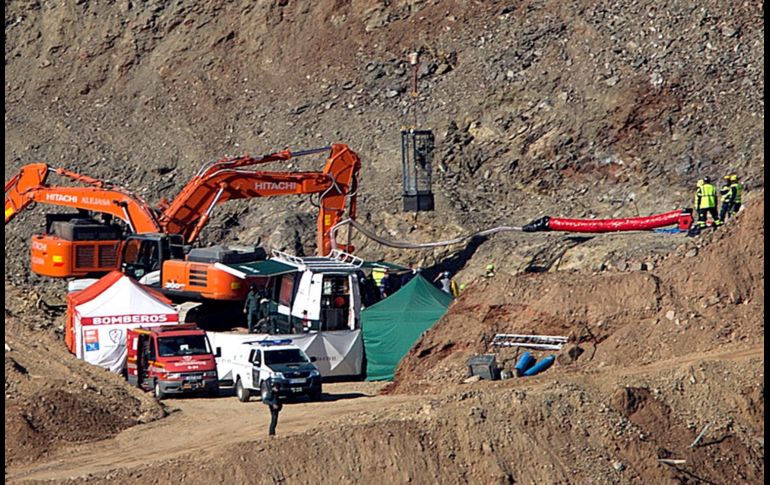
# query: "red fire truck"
174, 359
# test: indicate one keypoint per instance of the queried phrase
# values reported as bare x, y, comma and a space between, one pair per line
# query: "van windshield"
184, 345
285, 356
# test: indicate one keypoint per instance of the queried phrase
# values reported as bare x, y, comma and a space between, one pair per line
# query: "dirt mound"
568, 109
53, 400
711, 298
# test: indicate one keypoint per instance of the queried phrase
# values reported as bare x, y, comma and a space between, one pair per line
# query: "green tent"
393, 325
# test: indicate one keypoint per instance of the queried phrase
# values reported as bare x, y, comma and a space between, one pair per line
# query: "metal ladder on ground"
543, 342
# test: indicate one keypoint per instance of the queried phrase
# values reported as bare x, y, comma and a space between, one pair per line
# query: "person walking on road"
273, 402
706, 203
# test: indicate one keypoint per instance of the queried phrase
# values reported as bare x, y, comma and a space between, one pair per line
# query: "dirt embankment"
644, 393
53, 400
544, 107
709, 297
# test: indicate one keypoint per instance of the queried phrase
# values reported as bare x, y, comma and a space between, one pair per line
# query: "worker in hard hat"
381, 278
737, 194
447, 284
706, 203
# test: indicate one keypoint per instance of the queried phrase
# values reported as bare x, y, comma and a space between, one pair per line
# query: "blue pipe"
525, 362
540, 366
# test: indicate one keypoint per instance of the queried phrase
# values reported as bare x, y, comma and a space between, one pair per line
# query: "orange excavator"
77, 244
154, 244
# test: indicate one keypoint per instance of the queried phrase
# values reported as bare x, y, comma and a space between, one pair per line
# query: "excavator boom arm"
227, 180
29, 186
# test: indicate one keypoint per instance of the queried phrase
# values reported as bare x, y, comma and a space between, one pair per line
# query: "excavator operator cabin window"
150, 251
173, 248
132, 251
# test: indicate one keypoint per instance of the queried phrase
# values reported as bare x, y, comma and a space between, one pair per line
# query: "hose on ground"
407, 245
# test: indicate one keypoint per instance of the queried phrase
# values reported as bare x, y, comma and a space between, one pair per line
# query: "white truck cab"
248, 366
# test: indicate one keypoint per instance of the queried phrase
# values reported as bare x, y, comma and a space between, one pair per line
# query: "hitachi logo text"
61, 198
275, 186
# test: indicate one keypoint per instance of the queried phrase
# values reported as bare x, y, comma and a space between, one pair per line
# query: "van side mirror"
313, 358
218, 352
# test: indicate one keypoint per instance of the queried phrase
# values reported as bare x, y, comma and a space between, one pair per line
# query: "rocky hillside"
543, 107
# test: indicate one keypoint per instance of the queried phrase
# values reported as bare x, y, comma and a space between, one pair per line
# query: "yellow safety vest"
737, 189
706, 197
378, 274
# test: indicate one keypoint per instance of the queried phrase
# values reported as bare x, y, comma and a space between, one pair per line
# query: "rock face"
539, 108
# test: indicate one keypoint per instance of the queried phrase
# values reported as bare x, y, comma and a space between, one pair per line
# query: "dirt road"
199, 424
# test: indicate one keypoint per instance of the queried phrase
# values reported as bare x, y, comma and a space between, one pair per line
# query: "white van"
248, 366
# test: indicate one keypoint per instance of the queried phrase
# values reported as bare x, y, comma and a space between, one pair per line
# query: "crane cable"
407, 245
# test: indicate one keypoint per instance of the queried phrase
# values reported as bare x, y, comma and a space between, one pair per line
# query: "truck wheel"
213, 393
158, 391
242, 393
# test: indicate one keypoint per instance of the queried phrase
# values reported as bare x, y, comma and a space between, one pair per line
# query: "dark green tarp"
268, 267
393, 325
383, 264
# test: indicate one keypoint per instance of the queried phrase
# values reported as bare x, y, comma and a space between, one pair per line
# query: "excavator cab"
144, 254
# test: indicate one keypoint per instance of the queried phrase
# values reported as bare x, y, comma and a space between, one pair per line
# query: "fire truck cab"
171, 360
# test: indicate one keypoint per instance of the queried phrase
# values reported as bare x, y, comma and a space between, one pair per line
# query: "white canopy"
103, 312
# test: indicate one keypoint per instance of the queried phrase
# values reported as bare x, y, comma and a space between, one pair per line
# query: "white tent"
98, 317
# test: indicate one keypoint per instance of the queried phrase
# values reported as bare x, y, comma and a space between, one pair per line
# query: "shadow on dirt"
343, 395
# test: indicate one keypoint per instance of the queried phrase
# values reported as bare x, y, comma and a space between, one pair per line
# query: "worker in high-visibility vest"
737, 194
380, 276
706, 203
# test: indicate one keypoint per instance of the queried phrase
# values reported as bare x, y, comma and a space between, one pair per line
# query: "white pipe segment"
407, 245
